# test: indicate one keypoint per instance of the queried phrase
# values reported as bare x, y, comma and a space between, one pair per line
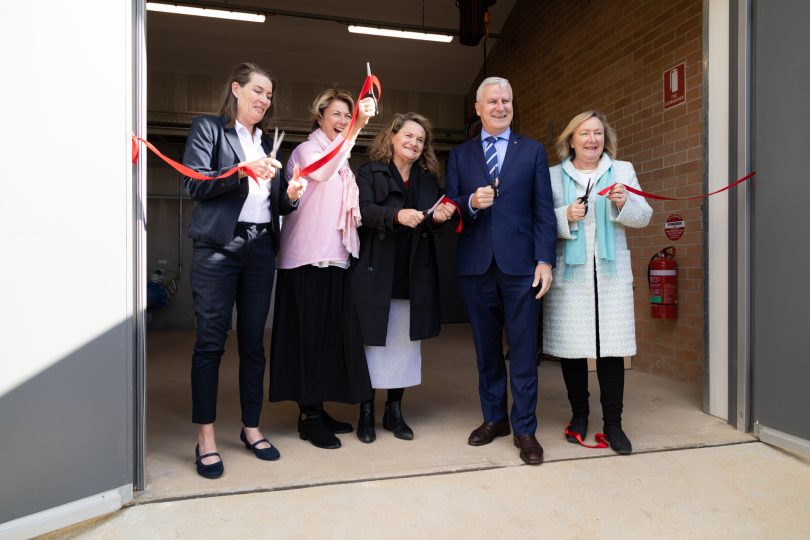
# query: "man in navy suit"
506, 250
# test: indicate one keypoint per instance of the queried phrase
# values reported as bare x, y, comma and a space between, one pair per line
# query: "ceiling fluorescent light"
399, 33
205, 12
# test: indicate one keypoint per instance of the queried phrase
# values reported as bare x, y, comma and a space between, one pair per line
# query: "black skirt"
316, 351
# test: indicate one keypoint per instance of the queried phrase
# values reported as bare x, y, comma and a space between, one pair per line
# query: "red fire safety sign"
675, 86
674, 227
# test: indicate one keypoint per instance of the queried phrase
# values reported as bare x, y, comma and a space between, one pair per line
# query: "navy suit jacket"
212, 149
520, 229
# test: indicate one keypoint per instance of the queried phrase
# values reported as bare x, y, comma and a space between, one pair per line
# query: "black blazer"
212, 149
373, 273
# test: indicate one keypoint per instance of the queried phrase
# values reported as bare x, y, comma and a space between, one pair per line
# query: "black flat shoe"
312, 428
335, 426
267, 454
214, 470
617, 439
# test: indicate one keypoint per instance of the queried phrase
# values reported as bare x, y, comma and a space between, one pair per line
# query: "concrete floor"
692, 475
739, 491
659, 414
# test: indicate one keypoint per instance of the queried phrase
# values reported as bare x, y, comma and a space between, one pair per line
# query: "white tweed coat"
569, 312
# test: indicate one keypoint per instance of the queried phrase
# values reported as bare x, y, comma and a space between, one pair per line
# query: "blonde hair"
382, 150
563, 145
325, 99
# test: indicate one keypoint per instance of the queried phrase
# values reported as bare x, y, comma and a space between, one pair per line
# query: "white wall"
65, 278
717, 57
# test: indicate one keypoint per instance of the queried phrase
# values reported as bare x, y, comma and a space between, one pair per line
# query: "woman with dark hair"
316, 352
235, 231
395, 283
589, 309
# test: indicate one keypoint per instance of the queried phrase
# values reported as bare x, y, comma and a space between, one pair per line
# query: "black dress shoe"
486, 432
617, 439
214, 470
578, 424
336, 426
393, 421
312, 428
365, 424
268, 454
530, 450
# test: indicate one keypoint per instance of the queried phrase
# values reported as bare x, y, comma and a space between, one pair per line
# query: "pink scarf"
349, 219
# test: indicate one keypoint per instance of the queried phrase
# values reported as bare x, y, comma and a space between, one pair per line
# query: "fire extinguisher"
662, 277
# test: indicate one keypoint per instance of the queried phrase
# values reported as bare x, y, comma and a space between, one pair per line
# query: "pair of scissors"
368, 73
494, 185
584, 198
276, 144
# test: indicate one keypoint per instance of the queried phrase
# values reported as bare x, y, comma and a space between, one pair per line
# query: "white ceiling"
323, 51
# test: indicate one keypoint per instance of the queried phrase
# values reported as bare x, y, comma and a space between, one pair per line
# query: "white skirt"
399, 363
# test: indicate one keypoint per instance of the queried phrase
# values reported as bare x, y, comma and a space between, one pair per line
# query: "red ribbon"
371, 81
458, 210
601, 440
662, 198
182, 169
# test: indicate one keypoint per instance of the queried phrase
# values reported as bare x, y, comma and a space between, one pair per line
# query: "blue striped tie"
491, 157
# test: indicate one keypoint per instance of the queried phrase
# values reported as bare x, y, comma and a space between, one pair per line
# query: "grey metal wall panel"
64, 430
781, 257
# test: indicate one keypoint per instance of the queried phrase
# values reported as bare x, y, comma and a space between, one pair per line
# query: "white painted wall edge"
66, 514
717, 57
783, 440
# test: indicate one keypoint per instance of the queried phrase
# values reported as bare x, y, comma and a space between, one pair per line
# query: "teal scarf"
605, 234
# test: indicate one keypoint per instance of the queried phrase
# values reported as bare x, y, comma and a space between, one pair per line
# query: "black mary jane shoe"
393, 421
312, 428
617, 439
270, 453
336, 426
214, 470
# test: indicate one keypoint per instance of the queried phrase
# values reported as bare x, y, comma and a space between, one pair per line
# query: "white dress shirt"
256, 208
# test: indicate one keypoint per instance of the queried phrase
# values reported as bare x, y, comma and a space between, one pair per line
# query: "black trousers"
609, 371
240, 272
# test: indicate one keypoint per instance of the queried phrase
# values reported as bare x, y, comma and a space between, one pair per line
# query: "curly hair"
382, 149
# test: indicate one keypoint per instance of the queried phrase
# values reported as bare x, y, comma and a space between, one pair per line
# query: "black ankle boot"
578, 424
365, 424
335, 426
617, 439
312, 428
393, 421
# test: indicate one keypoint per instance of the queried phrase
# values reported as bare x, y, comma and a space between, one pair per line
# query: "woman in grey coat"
589, 310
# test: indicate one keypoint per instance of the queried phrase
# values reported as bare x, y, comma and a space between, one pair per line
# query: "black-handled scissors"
494, 185
584, 198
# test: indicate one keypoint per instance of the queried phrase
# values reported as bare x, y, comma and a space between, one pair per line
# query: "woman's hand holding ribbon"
263, 168
443, 212
618, 195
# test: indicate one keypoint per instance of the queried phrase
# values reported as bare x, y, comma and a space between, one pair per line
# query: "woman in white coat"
589, 310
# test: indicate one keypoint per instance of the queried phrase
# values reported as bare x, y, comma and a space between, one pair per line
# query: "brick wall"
567, 56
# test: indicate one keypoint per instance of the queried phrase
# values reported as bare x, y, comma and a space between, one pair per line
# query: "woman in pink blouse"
316, 352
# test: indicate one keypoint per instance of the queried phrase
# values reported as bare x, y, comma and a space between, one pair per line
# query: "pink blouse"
323, 230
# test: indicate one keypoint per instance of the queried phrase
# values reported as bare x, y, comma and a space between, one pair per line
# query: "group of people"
357, 286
